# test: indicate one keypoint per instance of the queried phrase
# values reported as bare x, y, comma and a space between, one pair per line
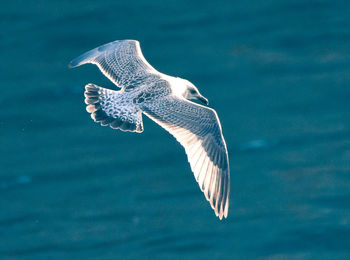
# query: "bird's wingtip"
70, 65
75, 63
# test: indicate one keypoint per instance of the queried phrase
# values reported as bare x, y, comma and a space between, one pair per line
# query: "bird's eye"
192, 91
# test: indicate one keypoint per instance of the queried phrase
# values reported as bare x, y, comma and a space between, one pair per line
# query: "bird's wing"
120, 61
198, 130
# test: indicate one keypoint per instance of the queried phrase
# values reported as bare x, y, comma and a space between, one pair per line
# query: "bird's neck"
178, 86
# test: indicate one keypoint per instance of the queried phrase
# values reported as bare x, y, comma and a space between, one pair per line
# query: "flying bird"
166, 100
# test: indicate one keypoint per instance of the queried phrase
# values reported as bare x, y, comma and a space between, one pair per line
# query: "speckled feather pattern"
145, 90
113, 108
198, 130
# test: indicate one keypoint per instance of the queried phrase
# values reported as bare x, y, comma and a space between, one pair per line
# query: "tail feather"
107, 108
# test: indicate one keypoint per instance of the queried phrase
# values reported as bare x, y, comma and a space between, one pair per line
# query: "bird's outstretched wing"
120, 61
198, 130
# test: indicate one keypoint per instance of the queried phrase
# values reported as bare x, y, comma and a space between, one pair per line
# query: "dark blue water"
278, 74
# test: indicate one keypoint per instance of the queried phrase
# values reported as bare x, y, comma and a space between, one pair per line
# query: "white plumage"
165, 99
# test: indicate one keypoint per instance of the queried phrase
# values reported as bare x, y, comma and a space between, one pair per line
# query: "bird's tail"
110, 107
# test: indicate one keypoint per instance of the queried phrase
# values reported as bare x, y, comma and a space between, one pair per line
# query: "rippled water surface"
277, 72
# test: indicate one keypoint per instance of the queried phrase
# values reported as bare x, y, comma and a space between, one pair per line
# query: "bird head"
193, 93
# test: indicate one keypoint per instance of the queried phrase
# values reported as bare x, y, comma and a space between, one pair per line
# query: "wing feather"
198, 130
122, 62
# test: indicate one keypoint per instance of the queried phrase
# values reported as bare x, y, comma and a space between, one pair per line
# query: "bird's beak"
203, 100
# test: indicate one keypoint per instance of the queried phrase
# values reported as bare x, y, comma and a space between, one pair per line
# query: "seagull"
166, 100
